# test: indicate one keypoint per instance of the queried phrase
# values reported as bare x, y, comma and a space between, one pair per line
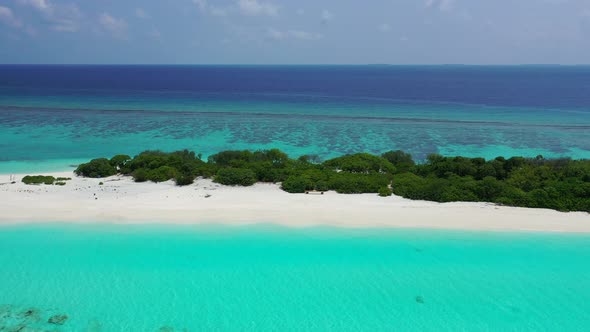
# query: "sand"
121, 200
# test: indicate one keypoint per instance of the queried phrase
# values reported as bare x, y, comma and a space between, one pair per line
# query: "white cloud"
385, 27
327, 16
254, 8
206, 8
7, 17
64, 18
141, 13
156, 34
65, 26
443, 5
242, 7
117, 27
40, 5
275, 34
202, 4
292, 34
446, 5
304, 35
216, 11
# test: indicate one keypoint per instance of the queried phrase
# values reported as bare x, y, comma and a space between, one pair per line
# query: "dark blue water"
526, 86
62, 114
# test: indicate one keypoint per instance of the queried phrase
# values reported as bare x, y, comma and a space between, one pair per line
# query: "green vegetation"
45, 179
235, 177
560, 184
38, 179
119, 161
96, 168
385, 192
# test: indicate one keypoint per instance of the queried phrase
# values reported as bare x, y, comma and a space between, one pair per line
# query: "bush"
161, 174
346, 183
235, 177
322, 185
184, 179
96, 168
38, 179
297, 184
360, 163
140, 175
119, 161
385, 192
401, 160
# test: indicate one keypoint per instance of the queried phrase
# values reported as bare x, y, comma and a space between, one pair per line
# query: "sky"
295, 32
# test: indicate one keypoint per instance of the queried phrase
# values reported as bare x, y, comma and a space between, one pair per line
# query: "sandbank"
120, 200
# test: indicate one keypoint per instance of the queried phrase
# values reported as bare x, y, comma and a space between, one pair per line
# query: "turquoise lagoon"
269, 278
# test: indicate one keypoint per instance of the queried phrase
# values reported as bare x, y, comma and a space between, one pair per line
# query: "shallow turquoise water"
36, 139
268, 278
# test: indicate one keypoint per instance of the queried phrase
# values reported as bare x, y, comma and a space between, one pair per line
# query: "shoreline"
121, 201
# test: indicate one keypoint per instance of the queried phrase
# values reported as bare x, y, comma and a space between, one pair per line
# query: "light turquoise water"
267, 278
37, 138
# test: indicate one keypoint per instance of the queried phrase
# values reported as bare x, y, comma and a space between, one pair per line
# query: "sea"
107, 277
53, 117
103, 277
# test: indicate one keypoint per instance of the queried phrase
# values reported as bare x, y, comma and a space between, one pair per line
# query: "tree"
401, 160
96, 168
360, 163
119, 161
235, 177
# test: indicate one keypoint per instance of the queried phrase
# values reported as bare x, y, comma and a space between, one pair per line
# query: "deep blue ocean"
52, 117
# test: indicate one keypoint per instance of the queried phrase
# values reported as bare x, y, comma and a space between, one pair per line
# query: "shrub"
385, 192
96, 168
322, 185
401, 160
297, 184
119, 161
60, 183
346, 183
140, 175
184, 179
161, 174
62, 179
38, 179
235, 177
310, 158
361, 163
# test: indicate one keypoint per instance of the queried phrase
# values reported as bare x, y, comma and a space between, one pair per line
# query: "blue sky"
295, 32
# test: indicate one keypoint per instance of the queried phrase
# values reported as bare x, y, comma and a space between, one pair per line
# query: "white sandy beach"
121, 200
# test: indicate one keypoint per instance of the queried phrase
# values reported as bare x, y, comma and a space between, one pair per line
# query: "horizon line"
302, 64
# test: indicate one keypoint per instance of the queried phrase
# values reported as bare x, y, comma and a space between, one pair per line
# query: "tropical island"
559, 184
359, 190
